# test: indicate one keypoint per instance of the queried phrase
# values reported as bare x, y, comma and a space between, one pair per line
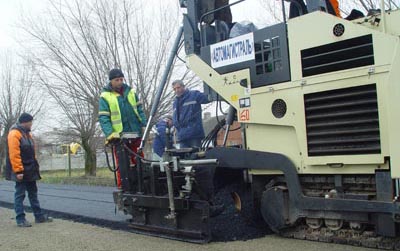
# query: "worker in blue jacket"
188, 122
162, 139
187, 118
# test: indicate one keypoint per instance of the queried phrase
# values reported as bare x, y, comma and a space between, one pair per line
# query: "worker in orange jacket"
332, 8
23, 168
335, 6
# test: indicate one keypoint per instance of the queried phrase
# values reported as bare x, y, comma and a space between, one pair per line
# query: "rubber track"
344, 236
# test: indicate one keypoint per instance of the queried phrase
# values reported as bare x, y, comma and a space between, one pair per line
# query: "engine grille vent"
346, 54
343, 121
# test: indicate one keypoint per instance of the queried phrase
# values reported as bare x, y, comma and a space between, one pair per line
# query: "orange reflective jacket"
21, 155
14, 151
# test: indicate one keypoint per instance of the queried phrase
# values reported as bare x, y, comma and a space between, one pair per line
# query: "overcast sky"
10, 11
7, 12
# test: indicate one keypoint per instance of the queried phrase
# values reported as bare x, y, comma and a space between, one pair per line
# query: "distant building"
234, 136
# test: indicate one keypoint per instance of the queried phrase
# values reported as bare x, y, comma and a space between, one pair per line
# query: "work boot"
45, 218
216, 210
24, 223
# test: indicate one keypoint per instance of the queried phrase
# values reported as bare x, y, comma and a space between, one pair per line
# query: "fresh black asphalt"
88, 201
95, 205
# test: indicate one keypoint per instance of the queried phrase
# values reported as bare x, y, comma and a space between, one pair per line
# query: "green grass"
104, 177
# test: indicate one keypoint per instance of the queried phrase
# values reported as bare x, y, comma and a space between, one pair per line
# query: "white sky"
10, 11
7, 9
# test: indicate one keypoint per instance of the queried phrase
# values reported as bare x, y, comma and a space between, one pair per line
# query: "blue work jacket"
160, 140
187, 117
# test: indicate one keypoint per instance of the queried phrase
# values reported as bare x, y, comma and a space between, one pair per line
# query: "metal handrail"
211, 12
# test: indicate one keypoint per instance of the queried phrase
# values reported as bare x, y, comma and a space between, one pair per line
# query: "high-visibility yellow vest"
115, 113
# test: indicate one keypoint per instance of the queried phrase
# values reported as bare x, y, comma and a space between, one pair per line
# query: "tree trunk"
90, 158
2, 163
3, 149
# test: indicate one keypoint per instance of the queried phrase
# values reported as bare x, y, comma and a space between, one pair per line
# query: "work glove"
112, 138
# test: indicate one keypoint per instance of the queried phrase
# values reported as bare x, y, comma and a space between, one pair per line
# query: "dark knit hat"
25, 117
115, 73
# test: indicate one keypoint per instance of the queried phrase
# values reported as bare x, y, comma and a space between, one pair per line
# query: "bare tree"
18, 95
79, 42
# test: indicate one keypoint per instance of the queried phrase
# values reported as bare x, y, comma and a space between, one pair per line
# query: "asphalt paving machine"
317, 98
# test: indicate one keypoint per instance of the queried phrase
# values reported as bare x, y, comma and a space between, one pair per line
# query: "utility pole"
69, 160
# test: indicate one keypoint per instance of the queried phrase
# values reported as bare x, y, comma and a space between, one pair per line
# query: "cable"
183, 61
212, 136
108, 161
232, 130
138, 155
220, 108
177, 52
116, 168
216, 111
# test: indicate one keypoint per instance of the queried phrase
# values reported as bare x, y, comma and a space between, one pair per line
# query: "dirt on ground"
72, 236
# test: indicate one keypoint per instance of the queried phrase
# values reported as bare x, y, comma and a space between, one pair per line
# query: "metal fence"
60, 161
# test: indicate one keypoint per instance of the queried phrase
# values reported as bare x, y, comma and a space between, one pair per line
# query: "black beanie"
25, 117
115, 73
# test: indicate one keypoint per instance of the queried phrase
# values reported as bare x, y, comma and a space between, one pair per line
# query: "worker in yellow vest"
120, 111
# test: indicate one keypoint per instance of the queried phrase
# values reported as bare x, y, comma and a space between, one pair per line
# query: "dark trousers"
133, 144
21, 187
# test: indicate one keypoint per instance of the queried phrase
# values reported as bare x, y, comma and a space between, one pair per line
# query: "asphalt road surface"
99, 231
73, 236
89, 201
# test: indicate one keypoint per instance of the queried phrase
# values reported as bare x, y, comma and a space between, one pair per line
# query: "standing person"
332, 8
120, 111
189, 125
23, 168
160, 141
187, 115
224, 14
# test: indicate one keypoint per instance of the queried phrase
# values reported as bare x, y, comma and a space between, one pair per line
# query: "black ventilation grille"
268, 56
346, 54
343, 121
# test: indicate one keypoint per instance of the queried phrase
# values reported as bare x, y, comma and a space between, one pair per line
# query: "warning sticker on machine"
232, 51
244, 102
244, 115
